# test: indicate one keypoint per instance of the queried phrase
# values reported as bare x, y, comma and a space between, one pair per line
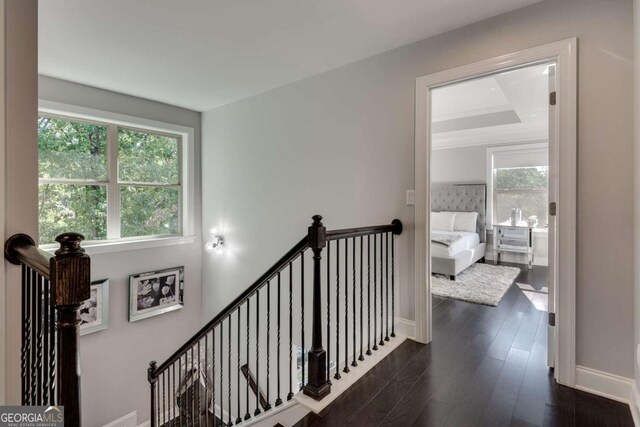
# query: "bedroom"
490, 188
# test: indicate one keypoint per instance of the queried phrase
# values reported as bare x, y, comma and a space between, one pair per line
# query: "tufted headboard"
462, 198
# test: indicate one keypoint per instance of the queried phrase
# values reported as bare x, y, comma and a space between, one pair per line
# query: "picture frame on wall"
94, 312
155, 292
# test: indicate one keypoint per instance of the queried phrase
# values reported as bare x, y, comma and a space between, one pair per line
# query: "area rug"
480, 283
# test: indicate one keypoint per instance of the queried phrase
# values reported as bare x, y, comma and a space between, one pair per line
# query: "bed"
455, 247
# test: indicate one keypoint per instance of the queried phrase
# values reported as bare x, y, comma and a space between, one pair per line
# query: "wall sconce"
216, 244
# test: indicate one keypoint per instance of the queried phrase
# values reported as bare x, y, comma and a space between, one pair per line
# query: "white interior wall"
341, 144
115, 361
468, 165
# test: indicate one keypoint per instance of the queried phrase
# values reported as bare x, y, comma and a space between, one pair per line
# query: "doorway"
557, 62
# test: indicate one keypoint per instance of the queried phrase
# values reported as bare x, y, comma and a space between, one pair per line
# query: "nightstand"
514, 239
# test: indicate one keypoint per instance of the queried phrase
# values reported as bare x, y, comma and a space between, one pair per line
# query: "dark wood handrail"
395, 227
257, 285
21, 249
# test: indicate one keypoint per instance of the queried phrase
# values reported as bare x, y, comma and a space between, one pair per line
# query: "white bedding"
467, 240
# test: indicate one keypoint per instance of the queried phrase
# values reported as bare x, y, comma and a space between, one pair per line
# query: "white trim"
121, 245
406, 327
132, 416
610, 386
564, 53
187, 148
460, 139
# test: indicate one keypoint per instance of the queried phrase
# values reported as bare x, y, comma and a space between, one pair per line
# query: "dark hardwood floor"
486, 366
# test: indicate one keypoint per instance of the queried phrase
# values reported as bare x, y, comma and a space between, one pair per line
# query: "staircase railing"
200, 384
53, 289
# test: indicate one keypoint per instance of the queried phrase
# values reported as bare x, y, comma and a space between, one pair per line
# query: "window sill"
105, 247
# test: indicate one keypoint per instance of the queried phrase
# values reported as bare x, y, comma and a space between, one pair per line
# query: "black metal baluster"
337, 374
221, 373
375, 292
257, 411
290, 395
346, 369
52, 349
393, 289
239, 419
194, 393
40, 325
26, 319
34, 336
328, 311
46, 332
278, 399
229, 370
197, 384
386, 281
163, 385
369, 295
353, 289
206, 374
247, 415
381, 292
174, 390
361, 357
304, 350
268, 345
213, 373
179, 395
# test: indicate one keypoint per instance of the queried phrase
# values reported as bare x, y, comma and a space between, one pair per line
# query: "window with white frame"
108, 181
518, 178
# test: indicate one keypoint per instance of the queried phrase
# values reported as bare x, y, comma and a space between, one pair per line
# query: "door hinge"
552, 98
552, 208
552, 319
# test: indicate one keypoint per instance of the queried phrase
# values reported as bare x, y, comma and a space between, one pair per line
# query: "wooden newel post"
71, 285
318, 385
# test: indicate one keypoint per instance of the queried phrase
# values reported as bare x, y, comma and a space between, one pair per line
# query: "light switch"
411, 197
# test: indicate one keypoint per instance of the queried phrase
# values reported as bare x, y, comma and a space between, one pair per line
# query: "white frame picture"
142, 306
99, 294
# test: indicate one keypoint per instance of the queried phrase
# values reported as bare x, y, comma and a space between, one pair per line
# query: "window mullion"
113, 191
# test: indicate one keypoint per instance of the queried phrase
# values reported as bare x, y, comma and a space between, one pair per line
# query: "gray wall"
341, 144
21, 161
114, 361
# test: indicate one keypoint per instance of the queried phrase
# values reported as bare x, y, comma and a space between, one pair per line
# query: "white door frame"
564, 53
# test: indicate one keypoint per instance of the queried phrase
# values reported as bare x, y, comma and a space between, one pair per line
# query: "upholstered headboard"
462, 198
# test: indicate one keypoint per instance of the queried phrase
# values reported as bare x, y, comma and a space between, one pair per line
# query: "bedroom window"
108, 181
519, 179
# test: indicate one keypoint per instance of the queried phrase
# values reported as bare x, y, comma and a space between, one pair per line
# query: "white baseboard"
406, 327
611, 386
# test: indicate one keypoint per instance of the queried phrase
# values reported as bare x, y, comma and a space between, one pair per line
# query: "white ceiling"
506, 107
201, 54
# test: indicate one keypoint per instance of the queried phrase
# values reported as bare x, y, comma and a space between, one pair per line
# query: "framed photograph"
94, 312
155, 292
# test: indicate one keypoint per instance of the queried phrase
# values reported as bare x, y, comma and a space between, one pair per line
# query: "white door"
553, 192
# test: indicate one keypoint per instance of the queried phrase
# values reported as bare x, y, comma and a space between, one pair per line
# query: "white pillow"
465, 221
442, 220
